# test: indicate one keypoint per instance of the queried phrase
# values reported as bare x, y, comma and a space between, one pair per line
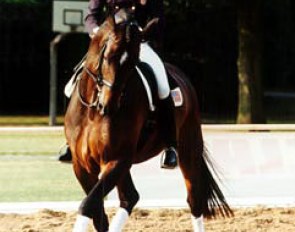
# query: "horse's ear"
150, 28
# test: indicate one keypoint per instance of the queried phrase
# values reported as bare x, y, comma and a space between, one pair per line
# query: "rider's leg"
148, 55
167, 119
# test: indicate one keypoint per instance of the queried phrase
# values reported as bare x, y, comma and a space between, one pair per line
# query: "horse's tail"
212, 194
205, 196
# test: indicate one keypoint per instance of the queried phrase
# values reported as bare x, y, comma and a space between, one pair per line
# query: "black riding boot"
66, 156
166, 113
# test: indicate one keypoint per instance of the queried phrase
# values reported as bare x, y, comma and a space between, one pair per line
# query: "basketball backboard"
69, 15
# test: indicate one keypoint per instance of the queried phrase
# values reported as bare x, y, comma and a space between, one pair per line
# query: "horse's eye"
117, 7
133, 8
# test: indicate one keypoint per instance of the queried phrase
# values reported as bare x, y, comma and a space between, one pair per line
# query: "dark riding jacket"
143, 13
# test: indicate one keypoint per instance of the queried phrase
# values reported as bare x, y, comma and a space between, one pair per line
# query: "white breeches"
149, 56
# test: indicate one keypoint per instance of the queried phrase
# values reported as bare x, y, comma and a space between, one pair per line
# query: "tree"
250, 106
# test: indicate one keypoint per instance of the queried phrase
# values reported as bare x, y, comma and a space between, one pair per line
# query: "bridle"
99, 80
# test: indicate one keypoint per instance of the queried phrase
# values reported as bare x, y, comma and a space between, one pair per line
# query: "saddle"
70, 86
149, 81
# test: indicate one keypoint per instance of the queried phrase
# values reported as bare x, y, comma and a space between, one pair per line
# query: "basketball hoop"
69, 15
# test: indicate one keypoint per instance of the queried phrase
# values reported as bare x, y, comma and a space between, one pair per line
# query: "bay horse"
108, 128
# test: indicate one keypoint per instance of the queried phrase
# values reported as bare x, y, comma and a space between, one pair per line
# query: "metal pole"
53, 79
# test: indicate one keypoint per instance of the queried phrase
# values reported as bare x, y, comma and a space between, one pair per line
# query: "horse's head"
113, 54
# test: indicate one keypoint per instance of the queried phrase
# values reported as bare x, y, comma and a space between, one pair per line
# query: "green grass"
31, 142
29, 170
27, 120
28, 179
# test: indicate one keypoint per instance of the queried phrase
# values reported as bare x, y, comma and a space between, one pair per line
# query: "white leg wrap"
198, 224
81, 224
119, 220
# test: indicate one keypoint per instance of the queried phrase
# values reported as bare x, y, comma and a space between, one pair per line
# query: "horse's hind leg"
204, 195
128, 198
193, 193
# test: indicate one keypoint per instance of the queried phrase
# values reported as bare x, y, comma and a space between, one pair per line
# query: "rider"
145, 10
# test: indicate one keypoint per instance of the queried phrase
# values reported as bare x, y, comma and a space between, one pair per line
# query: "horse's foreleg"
87, 182
92, 206
128, 198
81, 224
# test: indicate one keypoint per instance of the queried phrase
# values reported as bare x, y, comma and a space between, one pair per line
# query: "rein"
98, 79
